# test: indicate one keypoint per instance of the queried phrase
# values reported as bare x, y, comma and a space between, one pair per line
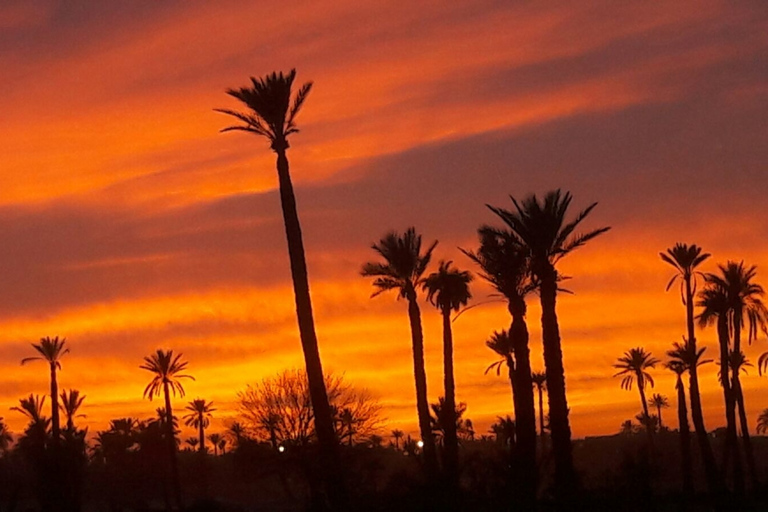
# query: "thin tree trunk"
658, 412
170, 434
202, 435
745, 438
55, 426
541, 414
326, 437
560, 428
714, 483
420, 378
451, 439
685, 445
732, 452
525, 413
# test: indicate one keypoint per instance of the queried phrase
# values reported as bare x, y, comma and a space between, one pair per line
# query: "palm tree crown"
51, 350
633, 365
167, 369
448, 288
684, 258
200, 413
271, 114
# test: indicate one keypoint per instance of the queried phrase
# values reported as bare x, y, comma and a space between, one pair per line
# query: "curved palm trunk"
451, 439
525, 413
714, 483
55, 425
731, 440
560, 428
685, 445
420, 378
170, 434
326, 436
738, 396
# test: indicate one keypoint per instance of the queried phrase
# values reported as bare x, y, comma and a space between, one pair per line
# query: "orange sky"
128, 223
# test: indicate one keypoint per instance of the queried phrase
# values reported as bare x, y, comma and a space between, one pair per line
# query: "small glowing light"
281, 449
420, 444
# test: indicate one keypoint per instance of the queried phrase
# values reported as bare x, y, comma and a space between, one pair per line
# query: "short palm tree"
541, 228
51, 351
199, 417
36, 432
540, 381
402, 270
686, 463
193, 442
271, 113
448, 290
633, 366
659, 402
397, 435
70, 403
501, 344
762, 422
167, 373
215, 439
5, 436
236, 432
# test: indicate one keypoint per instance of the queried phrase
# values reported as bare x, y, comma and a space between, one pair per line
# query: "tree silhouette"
70, 404
215, 439
6, 438
541, 228
193, 443
397, 435
762, 422
501, 344
167, 371
634, 366
504, 430
686, 464
685, 259
504, 263
659, 402
539, 380
448, 290
402, 270
236, 433
272, 111
51, 351
199, 417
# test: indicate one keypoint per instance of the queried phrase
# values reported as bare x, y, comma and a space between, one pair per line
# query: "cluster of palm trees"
731, 300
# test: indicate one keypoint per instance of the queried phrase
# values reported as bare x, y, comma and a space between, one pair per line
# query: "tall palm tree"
540, 381
541, 228
448, 290
402, 270
215, 439
397, 435
272, 109
199, 417
51, 351
633, 366
686, 259
70, 404
504, 263
659, 402
678, 367
167, 373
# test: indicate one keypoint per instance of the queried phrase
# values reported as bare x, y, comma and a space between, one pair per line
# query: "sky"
128, 223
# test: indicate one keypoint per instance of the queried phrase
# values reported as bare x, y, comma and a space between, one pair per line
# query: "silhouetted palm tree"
440, 418
504, 264
540, 381
738, 363
659, 402
236, 431
222, 444
193, 443
215, 439
762, 422
634, 366
402, 270
272, 112
199, 417
504, 430
627, 428
686, 259
542, 229
686, 463
501, 343
167, 371
51, 351
397, 435
448, 290
5, 436
70, 404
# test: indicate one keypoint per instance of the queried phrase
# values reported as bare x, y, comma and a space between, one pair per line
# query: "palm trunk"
420, 378
560, 428
658, 412
326, 436
710, 467
541, 415
731, 440
685, 445
451, 439
739, 399
525, 413
55, 426
171, 435
202, 435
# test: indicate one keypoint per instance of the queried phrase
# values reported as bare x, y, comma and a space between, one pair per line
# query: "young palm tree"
199, 417
627, 428
222, 444
634, 366
397, 435
686, 259
215, 439
448, 290
5, 437
541, 228
271, 113
540, 381
167, 372
504, 430
762, 422
678, 367
501, 343
70, 404
504, 263
236, 432
659, 402
402, 270
193, 442
51, 351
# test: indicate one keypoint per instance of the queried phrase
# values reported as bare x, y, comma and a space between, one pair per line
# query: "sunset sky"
129, 223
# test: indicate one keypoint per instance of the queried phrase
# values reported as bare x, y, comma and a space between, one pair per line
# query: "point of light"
420, 444
281, 449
